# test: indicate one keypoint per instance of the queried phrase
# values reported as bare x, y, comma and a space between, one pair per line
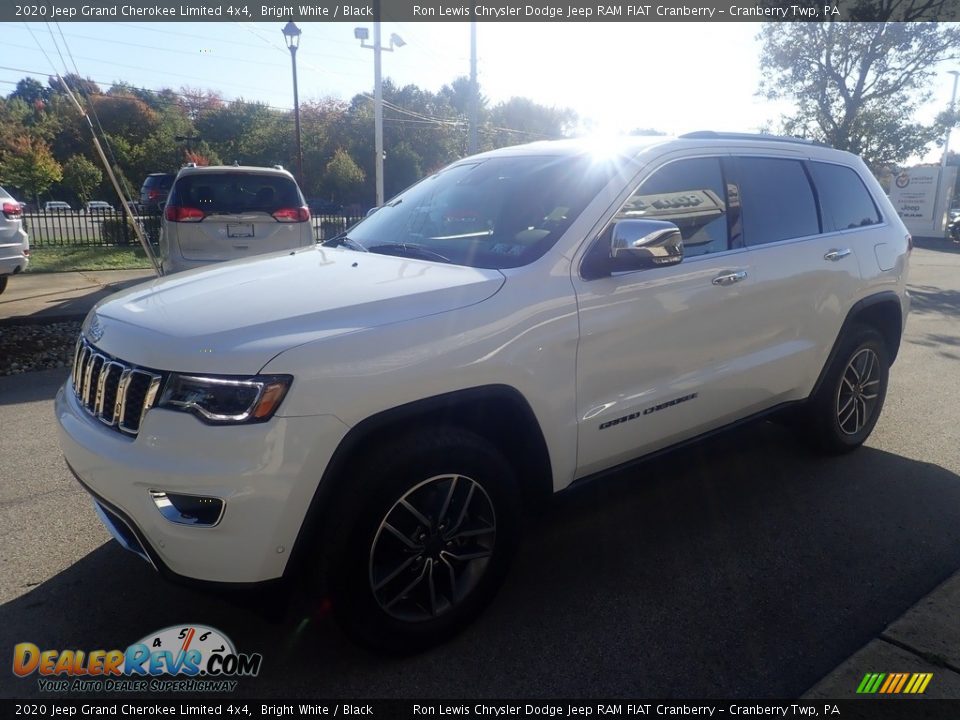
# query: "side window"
689, 193
844, 200
776, 199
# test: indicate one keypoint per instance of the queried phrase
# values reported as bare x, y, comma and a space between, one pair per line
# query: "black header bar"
352, 11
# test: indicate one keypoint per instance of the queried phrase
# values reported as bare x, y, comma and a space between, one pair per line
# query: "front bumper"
265, 474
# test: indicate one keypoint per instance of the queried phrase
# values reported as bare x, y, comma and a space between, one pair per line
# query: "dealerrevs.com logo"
180, 658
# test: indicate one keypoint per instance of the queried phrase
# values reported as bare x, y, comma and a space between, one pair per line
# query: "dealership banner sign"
913, 193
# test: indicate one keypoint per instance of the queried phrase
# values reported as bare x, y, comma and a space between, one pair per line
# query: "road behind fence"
108, 227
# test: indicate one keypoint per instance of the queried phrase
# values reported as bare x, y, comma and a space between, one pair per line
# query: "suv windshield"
236, 192
494, 213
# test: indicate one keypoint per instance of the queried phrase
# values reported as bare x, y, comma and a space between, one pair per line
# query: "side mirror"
644, 244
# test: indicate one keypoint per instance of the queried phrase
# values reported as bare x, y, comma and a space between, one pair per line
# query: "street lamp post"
291, 34
362, 34
946, 139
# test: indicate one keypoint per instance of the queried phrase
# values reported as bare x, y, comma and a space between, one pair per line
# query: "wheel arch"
482, 410
881, 311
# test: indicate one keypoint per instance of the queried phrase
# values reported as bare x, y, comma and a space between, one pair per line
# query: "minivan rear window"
233, 192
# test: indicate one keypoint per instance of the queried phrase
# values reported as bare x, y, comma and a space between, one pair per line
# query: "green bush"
116, 232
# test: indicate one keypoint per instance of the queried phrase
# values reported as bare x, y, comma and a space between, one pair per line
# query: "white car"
57, 206
14, 241
218, 213
381, 412
97, 206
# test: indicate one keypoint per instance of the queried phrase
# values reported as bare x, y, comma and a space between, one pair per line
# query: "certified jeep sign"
913, 193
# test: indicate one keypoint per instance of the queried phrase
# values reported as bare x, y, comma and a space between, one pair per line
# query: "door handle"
729, 278
837, 254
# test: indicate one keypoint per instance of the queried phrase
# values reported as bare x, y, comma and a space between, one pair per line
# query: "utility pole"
361, 34
474, 90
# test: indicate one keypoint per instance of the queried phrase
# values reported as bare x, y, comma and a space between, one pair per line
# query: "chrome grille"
115, 393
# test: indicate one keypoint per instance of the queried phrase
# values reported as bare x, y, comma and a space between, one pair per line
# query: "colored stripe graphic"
894, 683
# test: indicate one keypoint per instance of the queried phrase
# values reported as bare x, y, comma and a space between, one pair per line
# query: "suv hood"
234, 317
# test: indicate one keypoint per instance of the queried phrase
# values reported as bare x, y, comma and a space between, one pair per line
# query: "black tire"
379, 584
3, 283
843, 412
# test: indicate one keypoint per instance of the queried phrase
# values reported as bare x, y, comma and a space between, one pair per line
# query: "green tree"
81, 176
83, 86
856, 85
31, 168
31, 91
343, 178
521, 120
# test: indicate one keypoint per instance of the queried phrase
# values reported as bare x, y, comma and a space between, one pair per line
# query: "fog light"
197, 510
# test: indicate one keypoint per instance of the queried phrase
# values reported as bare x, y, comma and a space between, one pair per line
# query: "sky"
672, 77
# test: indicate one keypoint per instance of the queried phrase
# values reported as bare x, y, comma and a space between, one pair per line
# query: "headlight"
225, 401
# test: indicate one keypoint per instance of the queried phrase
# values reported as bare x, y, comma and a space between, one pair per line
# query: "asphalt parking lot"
742, 567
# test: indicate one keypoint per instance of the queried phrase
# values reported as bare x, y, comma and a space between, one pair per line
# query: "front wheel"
430, 524
846, 407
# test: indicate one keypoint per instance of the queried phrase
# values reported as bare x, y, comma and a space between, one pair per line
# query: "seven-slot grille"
115, 393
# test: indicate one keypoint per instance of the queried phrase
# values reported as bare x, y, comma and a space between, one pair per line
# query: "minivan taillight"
175, 213
12, 210
300, 214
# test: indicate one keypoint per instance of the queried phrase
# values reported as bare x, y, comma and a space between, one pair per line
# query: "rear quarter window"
844, 199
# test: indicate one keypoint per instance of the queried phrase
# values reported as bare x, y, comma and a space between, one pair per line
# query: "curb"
925, 639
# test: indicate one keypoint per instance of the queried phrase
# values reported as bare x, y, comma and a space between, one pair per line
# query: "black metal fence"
78, 228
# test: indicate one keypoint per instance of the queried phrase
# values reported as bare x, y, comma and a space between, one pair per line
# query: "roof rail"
712, 135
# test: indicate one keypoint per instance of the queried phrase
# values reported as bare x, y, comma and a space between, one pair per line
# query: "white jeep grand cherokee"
381, 411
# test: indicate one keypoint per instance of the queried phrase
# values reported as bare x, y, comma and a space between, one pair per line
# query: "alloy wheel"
432, 548
858, 392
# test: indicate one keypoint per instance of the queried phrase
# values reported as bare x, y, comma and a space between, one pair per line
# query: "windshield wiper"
343, 239
408, 250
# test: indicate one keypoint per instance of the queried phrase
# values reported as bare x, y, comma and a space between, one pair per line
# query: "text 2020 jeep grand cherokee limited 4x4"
380, 412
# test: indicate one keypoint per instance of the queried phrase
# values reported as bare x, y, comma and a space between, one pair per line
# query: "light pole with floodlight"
362, 34
946, 140
291, 34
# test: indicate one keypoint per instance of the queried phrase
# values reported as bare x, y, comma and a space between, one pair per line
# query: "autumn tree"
856, 85
30, 167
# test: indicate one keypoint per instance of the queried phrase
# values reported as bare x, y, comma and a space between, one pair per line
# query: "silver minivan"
219, 213
14, 243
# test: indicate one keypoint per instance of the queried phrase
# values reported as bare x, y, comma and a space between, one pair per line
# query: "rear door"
243, 214
801, 227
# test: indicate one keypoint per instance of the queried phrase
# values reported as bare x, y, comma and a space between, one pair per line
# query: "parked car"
14, 242
57, 206
155, 189
95, 206
228, 212
383, 411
